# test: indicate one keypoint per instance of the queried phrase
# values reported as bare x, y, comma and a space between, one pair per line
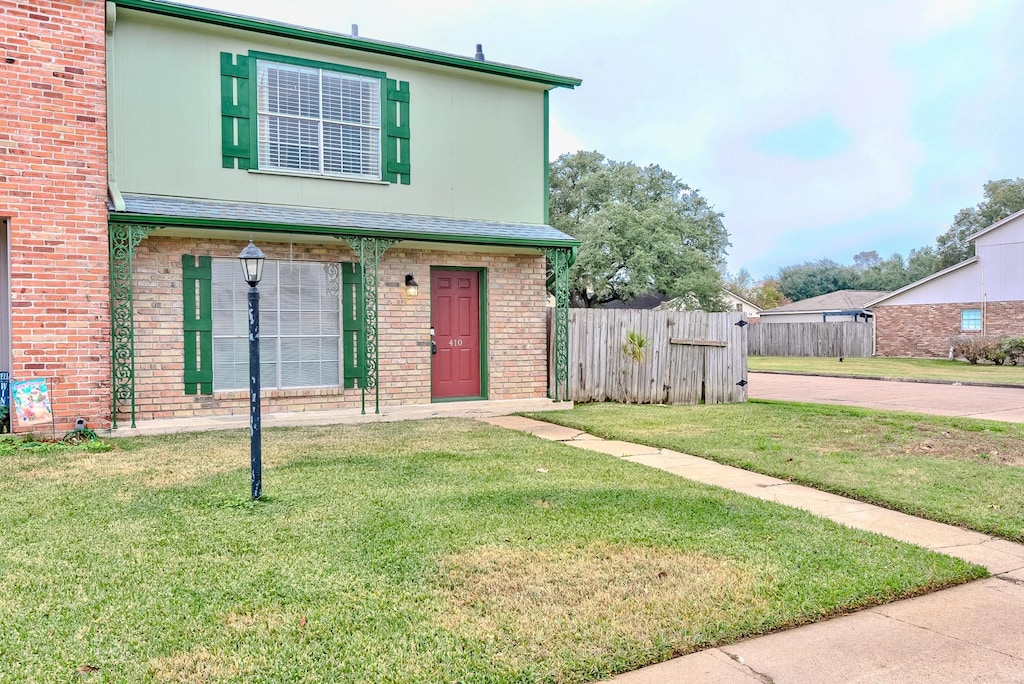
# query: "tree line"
644, 231
869, 271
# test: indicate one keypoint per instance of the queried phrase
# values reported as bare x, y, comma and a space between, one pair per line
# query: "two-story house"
360, 168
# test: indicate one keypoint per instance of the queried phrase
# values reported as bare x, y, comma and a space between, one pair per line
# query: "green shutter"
235, 111
353, 329
198, 328
396, 132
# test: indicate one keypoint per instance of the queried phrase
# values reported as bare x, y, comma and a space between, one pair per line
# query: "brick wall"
53, 192
516, 316
923, 330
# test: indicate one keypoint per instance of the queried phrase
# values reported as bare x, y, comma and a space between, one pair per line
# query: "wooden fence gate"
691, 357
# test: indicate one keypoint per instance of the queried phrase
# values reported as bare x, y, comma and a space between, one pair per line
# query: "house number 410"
455, 343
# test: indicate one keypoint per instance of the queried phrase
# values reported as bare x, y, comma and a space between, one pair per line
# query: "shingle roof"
841, 300
158, 210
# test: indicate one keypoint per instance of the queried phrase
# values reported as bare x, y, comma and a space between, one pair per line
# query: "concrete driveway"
992, 403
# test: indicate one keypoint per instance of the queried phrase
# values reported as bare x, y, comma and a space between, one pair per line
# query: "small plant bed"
936, 370
954, 470
436, 551
76, 440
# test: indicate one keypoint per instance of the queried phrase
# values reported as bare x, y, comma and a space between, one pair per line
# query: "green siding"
198, 325
214, 18
353, 325
165, 79
315, 64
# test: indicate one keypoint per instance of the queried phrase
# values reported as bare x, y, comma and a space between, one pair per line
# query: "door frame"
481, 272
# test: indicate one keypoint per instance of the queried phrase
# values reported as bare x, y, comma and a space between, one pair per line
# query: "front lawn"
939, 370
954, 470
436, 551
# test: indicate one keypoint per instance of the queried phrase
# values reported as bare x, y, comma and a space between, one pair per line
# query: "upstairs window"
970, 319
318, 121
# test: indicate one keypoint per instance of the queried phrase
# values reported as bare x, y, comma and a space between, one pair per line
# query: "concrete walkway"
992, 403
970, 633
300, 418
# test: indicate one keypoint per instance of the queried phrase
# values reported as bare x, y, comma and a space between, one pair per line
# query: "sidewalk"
970, 633
300, 418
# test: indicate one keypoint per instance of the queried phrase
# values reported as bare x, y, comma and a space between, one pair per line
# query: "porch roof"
165, 211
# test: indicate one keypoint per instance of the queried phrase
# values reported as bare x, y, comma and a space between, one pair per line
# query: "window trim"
254, 128
981, 323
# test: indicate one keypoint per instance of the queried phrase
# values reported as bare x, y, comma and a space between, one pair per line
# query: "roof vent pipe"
479, 56
355, 30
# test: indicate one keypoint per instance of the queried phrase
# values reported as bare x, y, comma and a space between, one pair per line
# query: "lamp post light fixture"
411, 287
251, 259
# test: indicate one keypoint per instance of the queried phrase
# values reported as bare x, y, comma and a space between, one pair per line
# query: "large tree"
765, 292
1002, 198
811, 279
642, 231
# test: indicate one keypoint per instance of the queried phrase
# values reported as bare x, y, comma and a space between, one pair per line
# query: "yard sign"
31, 402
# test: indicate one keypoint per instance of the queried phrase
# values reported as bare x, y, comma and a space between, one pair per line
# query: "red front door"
455, 304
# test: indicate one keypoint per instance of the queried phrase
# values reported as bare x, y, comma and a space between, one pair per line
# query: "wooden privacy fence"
690, 357
810, 339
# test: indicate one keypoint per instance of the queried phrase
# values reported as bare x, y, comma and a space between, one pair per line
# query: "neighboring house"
737, 303
355, 165
644, 301
834, 307
983, 295
732, 301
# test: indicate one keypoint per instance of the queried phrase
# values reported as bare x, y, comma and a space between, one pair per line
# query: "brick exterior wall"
53, 180
923, 330
517, 350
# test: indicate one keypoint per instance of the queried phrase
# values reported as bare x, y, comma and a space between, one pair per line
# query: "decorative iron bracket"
370, 251
124, 239
559, 260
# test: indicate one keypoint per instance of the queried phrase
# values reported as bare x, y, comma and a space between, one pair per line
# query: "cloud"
819, 137
560, 140
816, 127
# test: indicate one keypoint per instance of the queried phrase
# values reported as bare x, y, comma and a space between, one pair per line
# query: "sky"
819, 129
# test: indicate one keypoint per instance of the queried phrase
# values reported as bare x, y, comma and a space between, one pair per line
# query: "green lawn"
436, 551
882, 367
954, 470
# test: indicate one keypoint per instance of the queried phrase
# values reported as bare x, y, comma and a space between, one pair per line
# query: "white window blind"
300, 325
318, 121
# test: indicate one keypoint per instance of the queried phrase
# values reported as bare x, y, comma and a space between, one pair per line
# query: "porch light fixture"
251, 259
411, 287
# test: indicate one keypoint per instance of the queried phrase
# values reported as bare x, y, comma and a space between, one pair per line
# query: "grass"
954, 470
883, 367
436, 551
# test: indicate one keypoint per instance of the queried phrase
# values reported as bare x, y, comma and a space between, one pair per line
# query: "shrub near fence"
686, 357
810, 339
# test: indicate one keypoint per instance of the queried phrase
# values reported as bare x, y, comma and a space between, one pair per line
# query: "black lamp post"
251, 259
